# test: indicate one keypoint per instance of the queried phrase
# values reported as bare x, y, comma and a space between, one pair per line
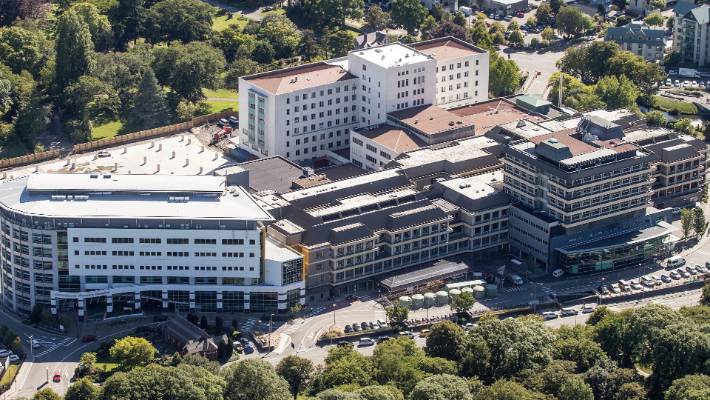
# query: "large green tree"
408, 13
689, 387
504, 77
254, 379
445, 340
127, 19
297, 371
187, 68
75, 50
617, 92
183, 20
149, 107
156, 382
376, 19
572, 22
99, 25
281, 33
22, 49
83, 389
441, 387
46, 394
132, 351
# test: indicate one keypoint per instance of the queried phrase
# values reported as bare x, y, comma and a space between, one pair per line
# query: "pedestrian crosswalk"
50, 348
515, 289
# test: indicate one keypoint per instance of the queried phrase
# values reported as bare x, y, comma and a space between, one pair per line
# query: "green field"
9, 375
219, 105
223, 22
671, 105
220, 93
106, 366
278, 11
107, 130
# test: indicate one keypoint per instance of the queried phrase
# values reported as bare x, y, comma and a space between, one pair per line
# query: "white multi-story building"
299, 113
392, 77
690, 32
461, 71
306, 112
186, 243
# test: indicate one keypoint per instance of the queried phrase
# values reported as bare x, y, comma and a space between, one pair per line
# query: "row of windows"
169, 240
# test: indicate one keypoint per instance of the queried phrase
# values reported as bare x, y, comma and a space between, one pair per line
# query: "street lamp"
270, 320
32, 355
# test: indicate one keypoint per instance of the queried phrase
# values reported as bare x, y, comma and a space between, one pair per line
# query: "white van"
675, 262
515, 279
558, 272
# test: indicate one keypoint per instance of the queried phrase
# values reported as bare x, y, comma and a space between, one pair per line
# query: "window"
150, 240
94, 240
121, 240
232, 241
205, 241
177, 241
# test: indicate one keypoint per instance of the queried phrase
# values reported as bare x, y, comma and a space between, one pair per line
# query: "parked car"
357, 328
647, 281
4, 353
248, 348
57, 377
549, 315
381, 323
614, 288
558, 272
666, 278
604, 290
364, 326
567, 311
684, 274
238, 347
635, 285
14, 358
348, 329
408, 334
36, 344
344, 343
366, 341
587, 308
675, 275
372, 325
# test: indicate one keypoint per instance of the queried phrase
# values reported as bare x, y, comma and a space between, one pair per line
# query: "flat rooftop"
391, 55
345, 183
447, 48
432, 120
394, 139
90, 183
489, 114
180, 154
440, 269
272, 173
476, 186
298, 78
456, 151
188, 197
276, 251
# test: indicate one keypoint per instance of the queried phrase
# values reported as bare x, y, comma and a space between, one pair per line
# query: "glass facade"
613, 257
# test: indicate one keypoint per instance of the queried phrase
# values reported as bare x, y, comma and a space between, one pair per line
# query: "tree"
22, 49
309, 48
658, 4
83, 389
555, 5
87, 365
428, 27
327, 14
654, 19
297, 371
679, 350
149, 108
516, 39
263, 52
445, 340
200, 361
345, 366
127, 20
441, 387
504, 389
544, 14
183, 20
699, 221
499, 349
157, 382
689, 387
254, 379
408, 13
401, 363
75, 50
617, 92
187, 68
376, 19
36, 313
339, 43
705, 298
463, 302
504, 76
99, 25
583, 351
547, 34
572, 22
380, 392
132, 351
655, 118
683, 125
46, 394
240, 67
606, 380
632, 391
281, 33
686, 221
574, 388
397, 315
450, 28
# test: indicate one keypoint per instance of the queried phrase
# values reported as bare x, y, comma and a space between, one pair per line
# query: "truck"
688, 73
221, 134
467, 11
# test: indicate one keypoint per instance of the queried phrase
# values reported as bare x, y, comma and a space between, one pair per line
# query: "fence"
115, 141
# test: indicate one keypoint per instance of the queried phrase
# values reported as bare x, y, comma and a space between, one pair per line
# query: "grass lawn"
670, 105
106, 366
220, 93
278, 11
220, 105
9, 375
223, 22
106, 130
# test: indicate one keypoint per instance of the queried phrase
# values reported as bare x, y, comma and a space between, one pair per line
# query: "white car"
669, 82
550, 315
569, 311
636, 286
14, 358
366, 341
675, 275
4, 353
614, 288
684, 274
587, 308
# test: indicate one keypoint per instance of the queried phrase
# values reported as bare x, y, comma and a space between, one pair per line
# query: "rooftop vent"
553, 141
464, 185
